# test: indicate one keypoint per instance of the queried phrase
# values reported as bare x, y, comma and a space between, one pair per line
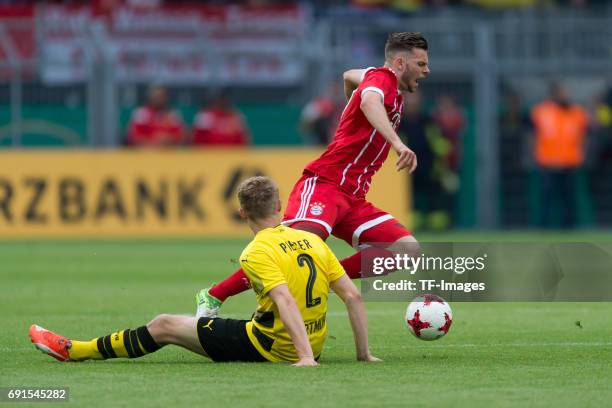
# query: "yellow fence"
81, 193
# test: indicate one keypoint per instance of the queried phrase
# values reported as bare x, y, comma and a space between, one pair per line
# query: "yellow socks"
130, 343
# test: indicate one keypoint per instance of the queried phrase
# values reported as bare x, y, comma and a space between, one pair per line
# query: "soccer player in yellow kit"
291, 272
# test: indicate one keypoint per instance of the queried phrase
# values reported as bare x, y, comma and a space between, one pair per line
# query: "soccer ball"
429, 317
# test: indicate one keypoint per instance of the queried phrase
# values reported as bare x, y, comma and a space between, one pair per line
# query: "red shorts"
343, 215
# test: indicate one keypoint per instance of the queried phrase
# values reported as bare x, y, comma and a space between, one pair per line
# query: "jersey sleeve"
382, 82
334, 268
261, 269
365, 71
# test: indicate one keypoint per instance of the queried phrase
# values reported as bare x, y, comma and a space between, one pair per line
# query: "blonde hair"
258, 197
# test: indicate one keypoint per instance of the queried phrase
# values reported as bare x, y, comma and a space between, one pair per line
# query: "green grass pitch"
496, 354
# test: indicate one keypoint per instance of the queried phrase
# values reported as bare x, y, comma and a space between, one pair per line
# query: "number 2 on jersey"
312, 276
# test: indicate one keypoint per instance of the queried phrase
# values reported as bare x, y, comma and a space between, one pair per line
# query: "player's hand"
369, 359
406, 158
306, 362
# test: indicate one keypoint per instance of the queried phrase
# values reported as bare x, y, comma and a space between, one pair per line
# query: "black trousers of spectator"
558, 192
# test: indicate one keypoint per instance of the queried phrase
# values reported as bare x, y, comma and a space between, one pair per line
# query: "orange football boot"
50, 343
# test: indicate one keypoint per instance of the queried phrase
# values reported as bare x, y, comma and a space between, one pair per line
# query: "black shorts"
227, 340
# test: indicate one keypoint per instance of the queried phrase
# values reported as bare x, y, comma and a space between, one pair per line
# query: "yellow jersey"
303, 262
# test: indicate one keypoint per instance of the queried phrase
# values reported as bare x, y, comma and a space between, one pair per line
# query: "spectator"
155, 124
220, 124
321, 116
417, 129
450, 119
449, 122
560, 131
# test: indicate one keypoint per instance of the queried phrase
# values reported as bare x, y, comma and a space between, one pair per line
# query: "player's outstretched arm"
351, 297
352, 79
292, 319
373, 108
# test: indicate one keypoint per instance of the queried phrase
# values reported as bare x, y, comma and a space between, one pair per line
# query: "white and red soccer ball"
429, 317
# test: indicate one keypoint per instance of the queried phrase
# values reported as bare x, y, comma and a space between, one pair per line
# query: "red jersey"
215, 126
357, 150
150, 126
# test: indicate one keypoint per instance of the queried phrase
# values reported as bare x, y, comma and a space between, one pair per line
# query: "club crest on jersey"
317, 208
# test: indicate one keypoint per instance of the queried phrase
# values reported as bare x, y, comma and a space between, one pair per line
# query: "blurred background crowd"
325, 5
512, 129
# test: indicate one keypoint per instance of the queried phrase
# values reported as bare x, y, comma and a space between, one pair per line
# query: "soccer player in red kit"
330, 197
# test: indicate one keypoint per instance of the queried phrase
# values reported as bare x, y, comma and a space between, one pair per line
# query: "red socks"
352, 264
234, 284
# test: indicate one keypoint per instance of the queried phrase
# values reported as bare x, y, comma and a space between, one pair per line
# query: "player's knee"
407, 245
161, 327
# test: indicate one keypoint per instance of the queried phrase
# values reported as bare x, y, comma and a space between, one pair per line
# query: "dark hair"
397, 42
258, 197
